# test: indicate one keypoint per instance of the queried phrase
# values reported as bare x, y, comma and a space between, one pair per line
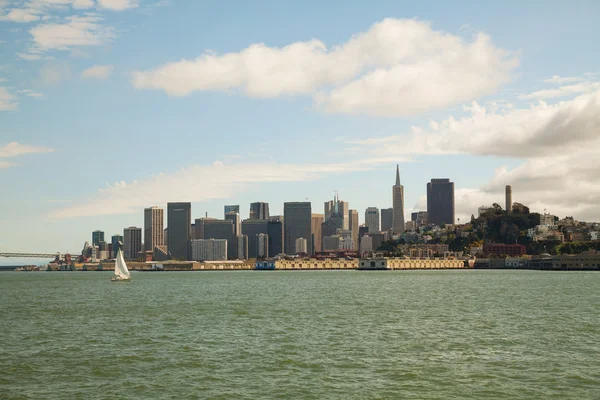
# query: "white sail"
120, 267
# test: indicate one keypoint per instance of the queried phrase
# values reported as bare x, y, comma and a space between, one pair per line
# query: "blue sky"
108, 106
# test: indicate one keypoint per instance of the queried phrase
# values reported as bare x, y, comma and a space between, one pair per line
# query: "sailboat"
121, 272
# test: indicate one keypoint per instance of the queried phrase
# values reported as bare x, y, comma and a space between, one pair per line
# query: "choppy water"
309, 335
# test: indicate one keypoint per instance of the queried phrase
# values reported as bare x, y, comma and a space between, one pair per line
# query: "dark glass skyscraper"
218, 229
230, 208
97, 237
297, 224
259, 210
440, 201
387, 218
179, 223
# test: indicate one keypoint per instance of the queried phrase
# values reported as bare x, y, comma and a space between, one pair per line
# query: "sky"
110, 106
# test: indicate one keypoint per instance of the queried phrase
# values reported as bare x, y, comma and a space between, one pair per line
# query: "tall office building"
301, 245
132, 242
231, 208
262, 245
297, 223
252, 228
387, 219
372, 219
179, 222
153, 228
211, 228
236, 220
440, 201
315, 228
275, 232
209, 249
116, 241
508, 199
97, 237
353, 226
398, 204
342, 209
366, 244
259, 210
241, 242
419, 218
331, 243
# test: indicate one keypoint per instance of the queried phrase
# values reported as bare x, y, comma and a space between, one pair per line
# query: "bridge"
32, 255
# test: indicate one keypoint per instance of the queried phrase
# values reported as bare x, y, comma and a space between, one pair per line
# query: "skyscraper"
353, 226
262, 242
236, 220
440, 201
209, 249
153, 228
508, 198
259, 210
342, 209
387, 219
210, 228
97, 237
252, 228
242, 247
179, 222
117, 242
297, 223
398, 204
372, 219
275, 232
132, 242
419, 218
315, 227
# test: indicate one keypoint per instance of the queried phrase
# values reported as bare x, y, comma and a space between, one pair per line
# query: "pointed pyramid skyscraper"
398, 204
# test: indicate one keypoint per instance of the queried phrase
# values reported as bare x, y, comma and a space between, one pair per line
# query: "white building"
346, 242
546, 219
366, 244
372, 219
594, 235
301, 245
242, 247
209, 249
262, 243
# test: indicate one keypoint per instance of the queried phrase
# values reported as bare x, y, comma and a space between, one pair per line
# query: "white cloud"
14, 149
97, 72
562, 91
8, 101
521, 133
6, 164
219, 180
560, 80
76, 31
30, 56
118, 5
31, 93
397, 67
21, 15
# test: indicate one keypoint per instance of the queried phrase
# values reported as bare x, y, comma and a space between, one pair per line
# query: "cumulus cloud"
397, 67
97, 72
521, 133
8, 101
219, 180
118, 5
14, 149
561, 80
562, 91
21, 15
31, 93
76, 31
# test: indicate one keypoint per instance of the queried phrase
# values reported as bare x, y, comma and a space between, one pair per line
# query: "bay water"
301, 335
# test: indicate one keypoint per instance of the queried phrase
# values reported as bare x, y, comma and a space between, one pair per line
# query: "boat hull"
116, 279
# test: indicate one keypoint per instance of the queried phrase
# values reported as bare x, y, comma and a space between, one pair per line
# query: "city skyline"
96, 126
